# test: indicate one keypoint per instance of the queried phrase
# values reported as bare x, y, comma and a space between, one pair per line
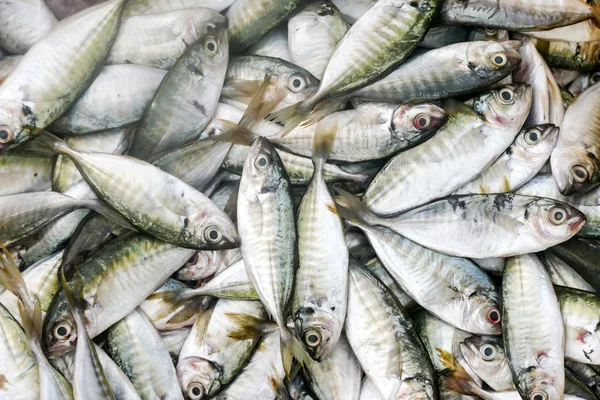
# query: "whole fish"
249, 20
518, 164
188, 95
113, 282
439, 166
313, 35
117, 97
71, 54
267, 227
453, 70
418, 269
141, 353
24, 23
535, 356
385, 341
574, 161
211, 357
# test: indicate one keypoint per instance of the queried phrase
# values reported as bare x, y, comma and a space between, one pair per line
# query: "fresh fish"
574, 161
518, 164
494, 265
337, 376
249, 20
361, 135
535, 356
584, 31
492, 34
584, 81
582, 257
418, 270
33, 169
439, 173
375, 267
580, 56
313, 35
8, 65
211, 357
453, 70
564, 76
444, 35
113, 282
117, 97
34, 97
206, 263
24, 23
486, 357
174, 340
267, 227
562, 274
587, 374
143, 7
142, 355
188, 95
274, 44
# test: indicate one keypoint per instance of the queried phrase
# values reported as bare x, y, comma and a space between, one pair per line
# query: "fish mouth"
576, 225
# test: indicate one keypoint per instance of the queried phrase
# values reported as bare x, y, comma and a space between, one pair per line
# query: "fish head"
213, 40
263, 170
552, 220
575, 170
298, 85
318, 330
59, 331
535, 383
486, 357
507, 106
482, 314
535, 142
410, 122
210, 228
488, 34
199, 378
493, 59
201, 265
15, 118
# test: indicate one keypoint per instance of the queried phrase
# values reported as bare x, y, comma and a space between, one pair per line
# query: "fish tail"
354, 210
324, 138
278, 387
249, 327
287, 350
108, 212
457, 379
53, 142
12, 280
227, 131
268, 96
32, 321
291, 116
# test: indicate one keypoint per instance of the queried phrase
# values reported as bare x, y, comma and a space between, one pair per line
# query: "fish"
562, 274
485, 355
580, 56
24, 23
144, 7
274, 44
34, 170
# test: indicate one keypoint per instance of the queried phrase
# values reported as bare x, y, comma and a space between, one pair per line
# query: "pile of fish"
286, 199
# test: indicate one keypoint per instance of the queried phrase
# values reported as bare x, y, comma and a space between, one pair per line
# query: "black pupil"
422, 122
214, 235
313, 339
3, 134
62, 331
262, 161
580, 173
296, 83
538, 397
506, 95
488, 351
533, 137
494, 316
595, 77
211, 46
558, 215
196, 391
499, 60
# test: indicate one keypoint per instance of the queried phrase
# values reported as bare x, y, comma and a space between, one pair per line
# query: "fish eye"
538, 395
498, 59
211, 46
296, 83
490, 31
580, 174
193, 260
312, 338
488, 352
262, 162
493, 315
532, 137
557, 215
195, 391
421, 121
597, 55
595, 77
213, 234
6, 134
506, 96
62, 331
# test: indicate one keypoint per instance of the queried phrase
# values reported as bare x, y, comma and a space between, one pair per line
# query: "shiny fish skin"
585, 31
143, 7
486, 357
457, 69
362, 135
583, 81
437, 167
562, 274
24, 22
138, 349
376, 268
33, 169
352, 10
385, 341
249, 20
187, 97
274, 44
583, 56
518, 164
206, 263
313, 34
8, 65
113, 282
71, 54
117, 97
535, 356
442, 35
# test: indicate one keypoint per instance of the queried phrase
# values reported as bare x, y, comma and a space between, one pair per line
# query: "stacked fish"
280, 199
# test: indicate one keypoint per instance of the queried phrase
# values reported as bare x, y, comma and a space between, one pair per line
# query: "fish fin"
173, 296
457, 379
278, 387
240, 90
12, 280
287, 350
31, 320
227, 131
267, 97
54, 143
249, 327
108, 212
324, 137
126, 140
454, 108
322, 110
292, 115
352, 209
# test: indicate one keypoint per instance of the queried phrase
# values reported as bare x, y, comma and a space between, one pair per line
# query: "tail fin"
268, 96
109, 213
353, 210
32, 321
278, 387
250, 327
12, 280
287, 350
227, 131
54, 143
324, 137
458, 380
